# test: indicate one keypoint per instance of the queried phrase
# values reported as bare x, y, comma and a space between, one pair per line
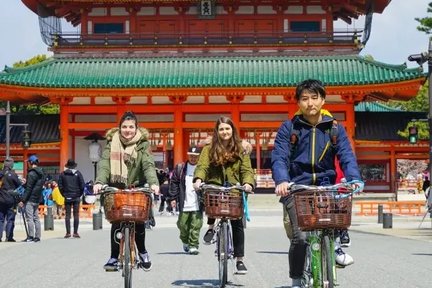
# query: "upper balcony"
325, 41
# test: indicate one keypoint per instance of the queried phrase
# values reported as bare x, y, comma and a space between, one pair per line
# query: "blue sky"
394, 34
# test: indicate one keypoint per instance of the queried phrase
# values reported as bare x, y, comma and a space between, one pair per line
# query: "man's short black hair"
311, 85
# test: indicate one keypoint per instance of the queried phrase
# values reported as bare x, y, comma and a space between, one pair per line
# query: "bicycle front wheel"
223, 254
127, 267
327, 276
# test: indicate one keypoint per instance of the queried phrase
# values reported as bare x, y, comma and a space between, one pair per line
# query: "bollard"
380, 213
49, 220
97, 220
387, 220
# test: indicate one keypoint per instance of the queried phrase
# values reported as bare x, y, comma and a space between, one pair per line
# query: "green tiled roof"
170, 72
374, 107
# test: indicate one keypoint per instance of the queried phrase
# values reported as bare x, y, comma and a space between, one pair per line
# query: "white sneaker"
193, 251
342, 258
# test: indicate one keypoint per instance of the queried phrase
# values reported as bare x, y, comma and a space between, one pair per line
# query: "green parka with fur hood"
239, 171
143, 172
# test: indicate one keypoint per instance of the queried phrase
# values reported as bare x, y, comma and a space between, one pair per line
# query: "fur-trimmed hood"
110, 133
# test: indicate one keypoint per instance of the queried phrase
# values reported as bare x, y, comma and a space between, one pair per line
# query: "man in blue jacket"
304, 153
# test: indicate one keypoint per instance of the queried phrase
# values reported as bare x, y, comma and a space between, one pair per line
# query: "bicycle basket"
227, 205
319, 211
126, 206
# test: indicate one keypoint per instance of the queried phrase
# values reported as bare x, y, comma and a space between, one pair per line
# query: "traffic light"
26, 138
413, 134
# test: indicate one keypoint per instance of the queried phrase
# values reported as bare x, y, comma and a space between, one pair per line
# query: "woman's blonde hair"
220, 154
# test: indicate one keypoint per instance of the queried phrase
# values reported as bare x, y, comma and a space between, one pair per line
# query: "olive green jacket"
239, 171
143, 172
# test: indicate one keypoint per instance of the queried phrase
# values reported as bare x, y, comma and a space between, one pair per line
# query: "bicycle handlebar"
220, 188
344, 189
109, 189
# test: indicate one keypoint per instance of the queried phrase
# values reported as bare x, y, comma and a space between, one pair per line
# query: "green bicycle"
320, 211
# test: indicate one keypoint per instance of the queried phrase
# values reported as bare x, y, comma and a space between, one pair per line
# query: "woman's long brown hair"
220, 154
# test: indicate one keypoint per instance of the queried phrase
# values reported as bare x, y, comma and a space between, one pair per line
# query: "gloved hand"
248, 188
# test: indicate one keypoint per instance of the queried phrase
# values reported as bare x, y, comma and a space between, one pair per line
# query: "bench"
368, 208
86, 210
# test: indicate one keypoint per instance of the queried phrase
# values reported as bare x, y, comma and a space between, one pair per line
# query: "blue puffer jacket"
313, 159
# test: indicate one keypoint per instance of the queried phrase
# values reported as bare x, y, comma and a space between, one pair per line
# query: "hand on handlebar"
155, 189
197, 184
97, 188
283, 188
248, 188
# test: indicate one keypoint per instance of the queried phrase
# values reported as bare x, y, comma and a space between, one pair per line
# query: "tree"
32, 108
425, 22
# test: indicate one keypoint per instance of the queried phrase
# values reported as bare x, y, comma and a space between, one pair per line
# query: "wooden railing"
206, 38
86, 211
368, 208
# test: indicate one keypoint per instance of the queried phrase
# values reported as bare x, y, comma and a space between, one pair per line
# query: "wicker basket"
218, 205
126, 206
319, 211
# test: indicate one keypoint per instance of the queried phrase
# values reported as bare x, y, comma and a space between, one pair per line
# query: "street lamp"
95, 150
421, 59
26, 134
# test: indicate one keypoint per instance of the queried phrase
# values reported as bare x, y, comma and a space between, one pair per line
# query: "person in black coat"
32, 197
71, 184
8, 201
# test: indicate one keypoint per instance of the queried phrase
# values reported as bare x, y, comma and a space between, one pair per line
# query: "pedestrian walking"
190, 219
32, 197
8, 200
71, 185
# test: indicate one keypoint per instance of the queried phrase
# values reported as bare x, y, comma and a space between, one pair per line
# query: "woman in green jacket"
222, 162
127, 162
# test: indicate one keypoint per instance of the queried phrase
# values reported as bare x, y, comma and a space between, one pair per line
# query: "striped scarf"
123, 155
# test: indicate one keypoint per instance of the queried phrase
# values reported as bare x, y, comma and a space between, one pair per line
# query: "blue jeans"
7, 215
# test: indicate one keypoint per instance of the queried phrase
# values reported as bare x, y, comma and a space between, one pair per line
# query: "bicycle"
320, 211
224, 203
127, 207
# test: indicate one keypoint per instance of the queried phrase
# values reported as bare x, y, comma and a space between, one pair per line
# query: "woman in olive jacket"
224, 162
127, 162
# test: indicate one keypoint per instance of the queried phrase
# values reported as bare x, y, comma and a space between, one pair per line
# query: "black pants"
139, 239
238, 235
75, 204
297, 251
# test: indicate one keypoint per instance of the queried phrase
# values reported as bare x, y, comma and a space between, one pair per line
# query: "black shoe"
11, 240
111, 265
36, 239
345, 239
28, 239
208, 237
241, 268
152, 221
145, 262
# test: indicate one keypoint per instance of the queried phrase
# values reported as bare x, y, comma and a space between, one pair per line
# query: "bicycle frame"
128, 251
133, 210
323, 209
320, 267
225, 211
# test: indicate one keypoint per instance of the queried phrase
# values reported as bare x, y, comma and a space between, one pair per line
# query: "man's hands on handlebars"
283, 188
198, 183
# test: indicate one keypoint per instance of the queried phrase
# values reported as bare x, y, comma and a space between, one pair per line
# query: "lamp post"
95, 150
26, 140
421, 59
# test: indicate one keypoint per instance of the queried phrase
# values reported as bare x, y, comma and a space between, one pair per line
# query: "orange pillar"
64, 134
178, 135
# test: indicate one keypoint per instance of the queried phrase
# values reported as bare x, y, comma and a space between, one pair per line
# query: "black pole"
430, 105
95, 170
